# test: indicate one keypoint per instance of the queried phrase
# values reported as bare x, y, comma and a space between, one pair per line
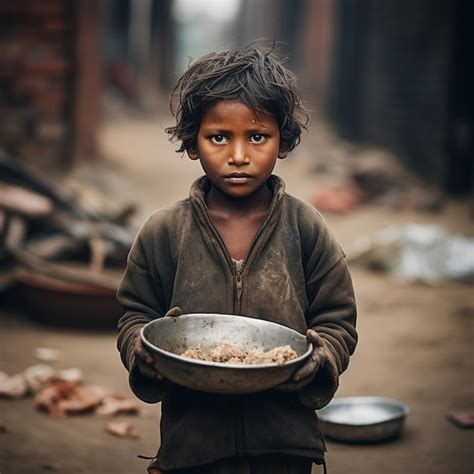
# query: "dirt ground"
415, 340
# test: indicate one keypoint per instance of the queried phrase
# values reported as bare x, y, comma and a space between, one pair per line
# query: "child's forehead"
224, 110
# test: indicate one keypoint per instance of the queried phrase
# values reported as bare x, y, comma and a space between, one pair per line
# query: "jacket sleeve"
331, 310
141, 296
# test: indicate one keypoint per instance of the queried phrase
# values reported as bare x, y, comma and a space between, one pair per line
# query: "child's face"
237, 148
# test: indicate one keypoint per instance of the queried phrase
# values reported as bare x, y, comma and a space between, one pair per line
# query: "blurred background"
396, 74
387, 159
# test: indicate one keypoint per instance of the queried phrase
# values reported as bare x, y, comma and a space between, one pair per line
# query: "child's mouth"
238, 177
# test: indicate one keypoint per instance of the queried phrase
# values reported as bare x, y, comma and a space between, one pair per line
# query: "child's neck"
237, 220
256, 203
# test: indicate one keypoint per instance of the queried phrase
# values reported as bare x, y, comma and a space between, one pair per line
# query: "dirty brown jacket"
294, 274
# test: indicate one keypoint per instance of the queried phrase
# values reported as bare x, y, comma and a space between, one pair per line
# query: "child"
239, 245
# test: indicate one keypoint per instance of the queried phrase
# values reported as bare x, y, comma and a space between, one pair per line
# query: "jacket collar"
198, 202
201, 187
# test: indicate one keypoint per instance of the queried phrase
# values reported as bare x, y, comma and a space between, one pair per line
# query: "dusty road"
415, 341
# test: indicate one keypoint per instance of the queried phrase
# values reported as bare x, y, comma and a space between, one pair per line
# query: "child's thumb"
174, 312
315, 338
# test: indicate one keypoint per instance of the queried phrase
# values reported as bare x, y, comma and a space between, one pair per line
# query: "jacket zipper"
237, 276
238, 285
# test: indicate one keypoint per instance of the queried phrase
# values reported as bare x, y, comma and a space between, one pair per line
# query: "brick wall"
410, 54
316, 42
36, 65
392, 81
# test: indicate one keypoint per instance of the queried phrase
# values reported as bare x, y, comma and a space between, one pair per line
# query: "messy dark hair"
253, 76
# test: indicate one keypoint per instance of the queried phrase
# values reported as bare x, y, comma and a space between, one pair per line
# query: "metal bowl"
168, 337
363, 419
64, 303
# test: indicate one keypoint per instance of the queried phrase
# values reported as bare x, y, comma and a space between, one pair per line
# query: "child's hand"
144, 360
306, 373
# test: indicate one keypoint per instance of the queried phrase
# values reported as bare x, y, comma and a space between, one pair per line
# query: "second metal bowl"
363, 419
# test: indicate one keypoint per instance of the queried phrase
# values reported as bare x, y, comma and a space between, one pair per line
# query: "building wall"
410, 54
50, 84
273, 20
317, 35
399, 81
87, 78
36, 72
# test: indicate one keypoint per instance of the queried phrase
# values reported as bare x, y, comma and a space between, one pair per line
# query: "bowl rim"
364, 400
205, 363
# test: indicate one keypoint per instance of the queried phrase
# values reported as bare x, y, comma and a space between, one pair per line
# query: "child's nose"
238, 154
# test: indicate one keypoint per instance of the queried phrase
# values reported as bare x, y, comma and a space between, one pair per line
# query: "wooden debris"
51, 246
14, 386
122, 429
38, 376
39, 223
61, 394
18, 200
117, 405
14, 231
72, 375
65, 398
59, 271
46, 354
463, 419
336, 198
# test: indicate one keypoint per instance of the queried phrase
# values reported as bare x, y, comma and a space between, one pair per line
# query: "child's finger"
294, 386
148, 371
310, 367
144, 356
288, 387
174, 312
315, 338
141, 352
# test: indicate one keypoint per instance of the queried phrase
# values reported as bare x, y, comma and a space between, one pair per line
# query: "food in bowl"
230, 354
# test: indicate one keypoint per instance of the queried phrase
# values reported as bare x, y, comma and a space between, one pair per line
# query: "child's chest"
238, 234
270, 285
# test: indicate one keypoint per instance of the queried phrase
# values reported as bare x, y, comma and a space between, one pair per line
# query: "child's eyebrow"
216, 128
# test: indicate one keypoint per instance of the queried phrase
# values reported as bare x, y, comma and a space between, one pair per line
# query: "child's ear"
192, 153
282, 154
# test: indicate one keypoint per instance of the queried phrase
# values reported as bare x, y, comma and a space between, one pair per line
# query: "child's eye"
219, 139
257, 138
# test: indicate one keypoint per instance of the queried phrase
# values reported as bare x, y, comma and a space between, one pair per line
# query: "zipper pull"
238, 267
239, 286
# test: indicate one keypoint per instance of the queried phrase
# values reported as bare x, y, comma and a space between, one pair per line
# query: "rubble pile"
50, 238
61, 393
370, 177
